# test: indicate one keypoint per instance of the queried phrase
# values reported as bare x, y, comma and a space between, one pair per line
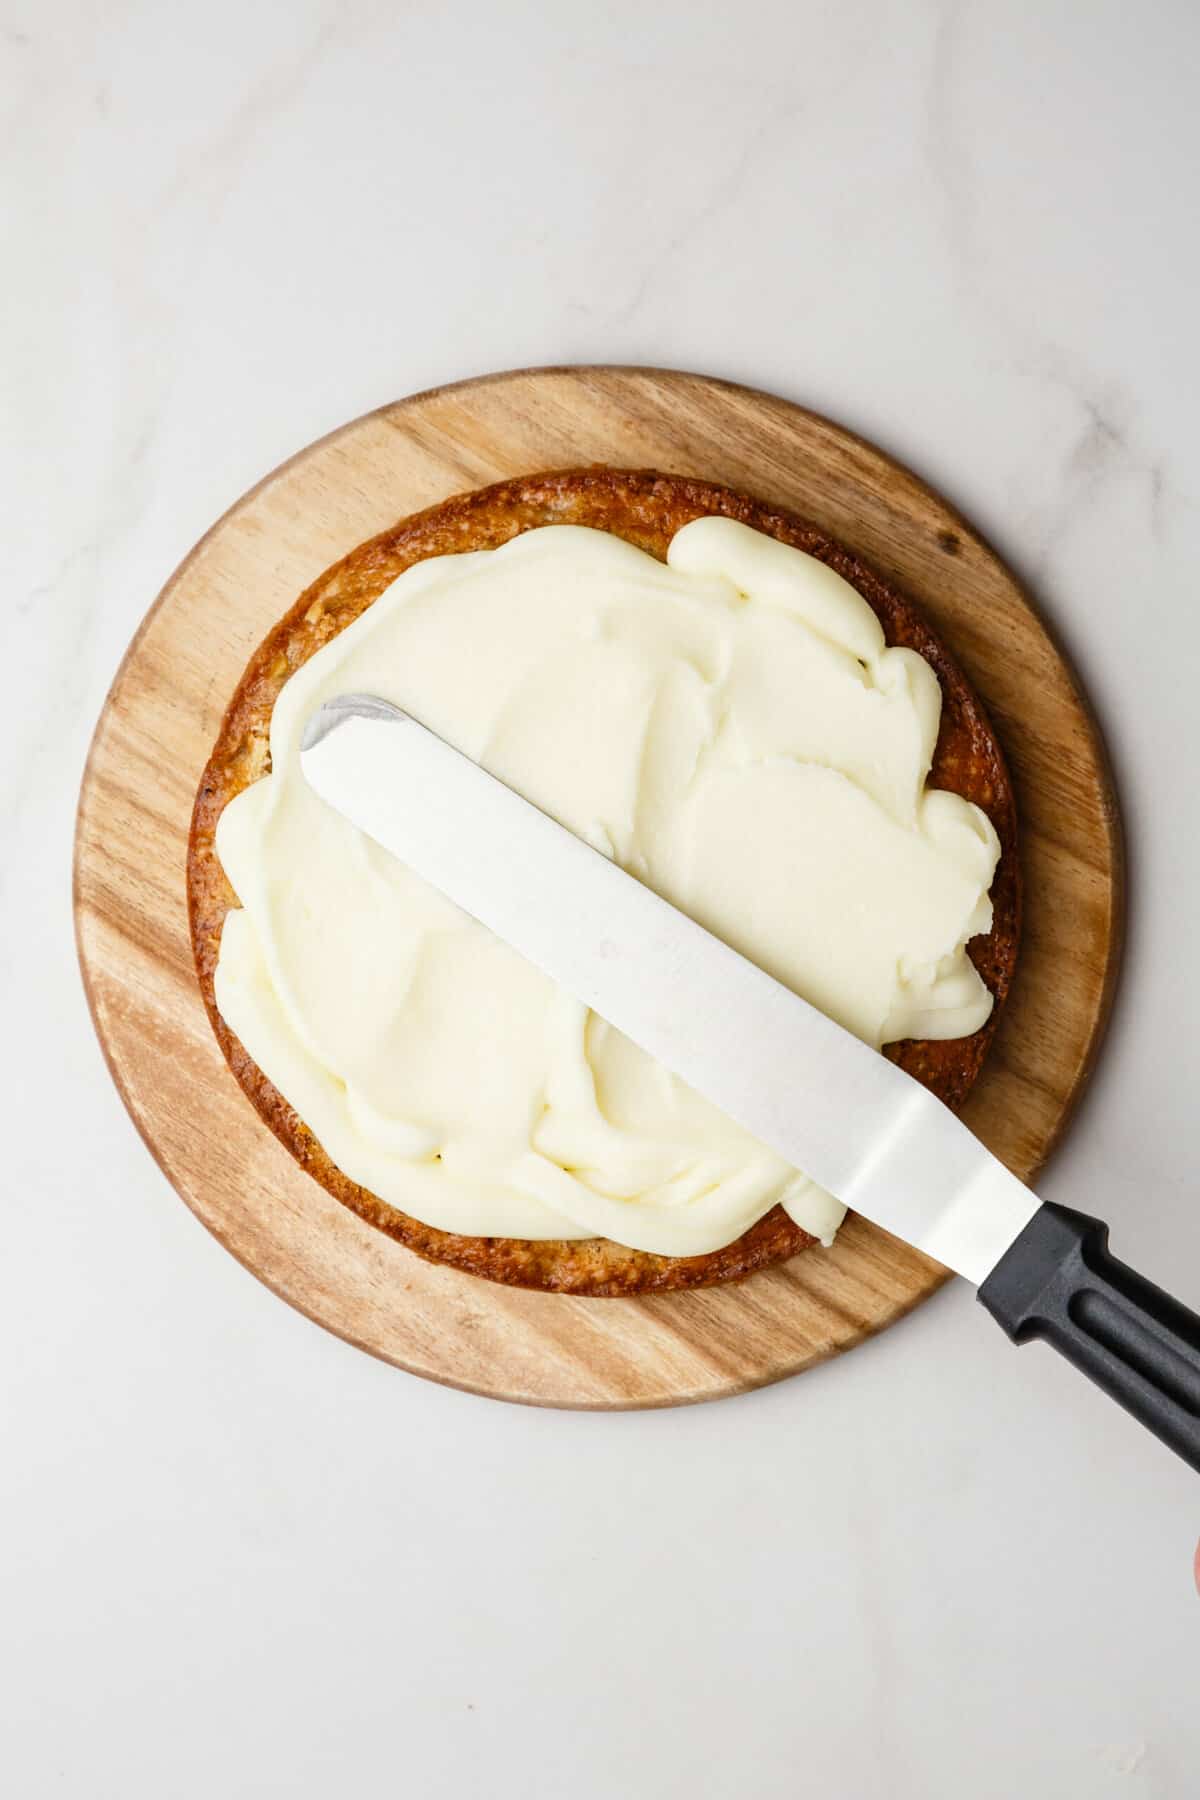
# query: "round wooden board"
162, 715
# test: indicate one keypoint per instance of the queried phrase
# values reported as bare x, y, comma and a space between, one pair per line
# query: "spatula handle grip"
1059, 1282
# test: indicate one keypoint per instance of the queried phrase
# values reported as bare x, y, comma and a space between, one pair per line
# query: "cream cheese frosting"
732, 729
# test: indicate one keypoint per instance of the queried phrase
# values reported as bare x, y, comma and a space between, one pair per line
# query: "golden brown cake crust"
646, 509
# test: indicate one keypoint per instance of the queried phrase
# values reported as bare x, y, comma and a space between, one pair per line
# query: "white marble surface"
241, 1558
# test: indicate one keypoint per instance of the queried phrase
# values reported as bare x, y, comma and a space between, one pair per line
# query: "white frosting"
733, 730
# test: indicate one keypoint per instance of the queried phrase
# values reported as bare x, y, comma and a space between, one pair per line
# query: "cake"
645, 510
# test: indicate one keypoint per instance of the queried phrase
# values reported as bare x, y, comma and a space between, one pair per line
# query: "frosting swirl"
733, 730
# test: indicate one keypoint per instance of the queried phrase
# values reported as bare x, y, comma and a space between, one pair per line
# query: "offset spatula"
825, 1101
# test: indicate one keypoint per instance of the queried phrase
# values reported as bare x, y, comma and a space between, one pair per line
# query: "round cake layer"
646, 510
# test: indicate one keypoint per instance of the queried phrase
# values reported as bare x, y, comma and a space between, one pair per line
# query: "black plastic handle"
1057, 1281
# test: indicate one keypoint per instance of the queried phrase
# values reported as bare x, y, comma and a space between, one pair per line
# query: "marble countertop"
243, 1558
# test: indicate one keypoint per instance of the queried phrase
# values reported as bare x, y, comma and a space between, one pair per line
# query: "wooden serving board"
162, 715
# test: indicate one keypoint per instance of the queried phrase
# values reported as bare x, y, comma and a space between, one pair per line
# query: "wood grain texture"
163, 713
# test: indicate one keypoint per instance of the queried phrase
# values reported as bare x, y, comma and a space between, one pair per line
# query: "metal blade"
810, 1090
